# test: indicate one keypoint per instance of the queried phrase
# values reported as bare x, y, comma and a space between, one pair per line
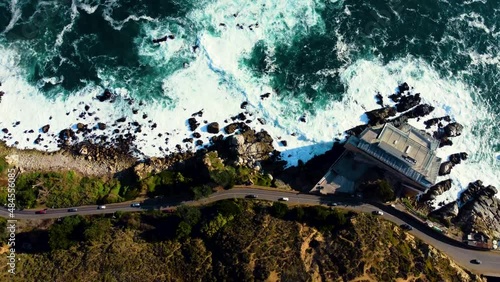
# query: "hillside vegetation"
233, 240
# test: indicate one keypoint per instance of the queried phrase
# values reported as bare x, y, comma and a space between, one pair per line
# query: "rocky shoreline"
237, 144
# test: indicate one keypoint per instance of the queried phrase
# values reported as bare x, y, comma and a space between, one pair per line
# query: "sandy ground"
29, 160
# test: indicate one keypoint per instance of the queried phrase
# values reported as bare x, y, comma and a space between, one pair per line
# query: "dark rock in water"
162, 39
379, 116
458, 157
66, 134
187, 140
464, 156
244, 105
198, 113
154, 125
135, 111
45, 128
196, 135
101, 126
445, 142
199, 142
81, 126
213, 128
144, 116
403, 87
116, 130
283, 143
407, 102
107, 95
436, 190
5, 130
135, 123
395, 97
261, 121
380, 99
231, 128
242, 116
171, 36
421, 110
31, 131
87, 107
179, 147
38, 140
445, 168
121, 119
193, 124
433, 121
265, 95
453, 129
248, 121
302, 118
217, 138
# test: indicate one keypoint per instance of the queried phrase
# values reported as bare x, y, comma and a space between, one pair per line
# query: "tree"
65, 234
98, 230
183, 230
191, 215
214, 225
385, 191
199, 192
279, 210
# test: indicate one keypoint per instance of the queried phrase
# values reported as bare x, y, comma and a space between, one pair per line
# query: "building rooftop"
408, 150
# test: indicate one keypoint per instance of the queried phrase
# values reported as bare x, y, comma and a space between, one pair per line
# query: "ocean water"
323, 60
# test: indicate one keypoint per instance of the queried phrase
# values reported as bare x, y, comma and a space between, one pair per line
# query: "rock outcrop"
436, 190
445, 168
447, 211
480, 210
379, 116
407, 102
250, 147
453, 129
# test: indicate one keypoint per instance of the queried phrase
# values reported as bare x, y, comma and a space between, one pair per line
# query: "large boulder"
193, 124
407, 102
453, 129
446, 168
213, 128
458, 157
45, 128
433, 121
436, 190
379, 116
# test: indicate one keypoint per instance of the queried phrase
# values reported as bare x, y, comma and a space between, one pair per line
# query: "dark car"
72, 210
44, 211
332, 204
253, 196
406, 227
475, 261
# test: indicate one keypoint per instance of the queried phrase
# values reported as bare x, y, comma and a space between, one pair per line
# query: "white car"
284, 199
378, 212
102, 207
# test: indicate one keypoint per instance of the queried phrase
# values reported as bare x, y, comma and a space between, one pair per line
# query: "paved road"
490, 260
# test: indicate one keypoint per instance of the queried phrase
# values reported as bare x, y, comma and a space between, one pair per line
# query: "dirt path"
29, 160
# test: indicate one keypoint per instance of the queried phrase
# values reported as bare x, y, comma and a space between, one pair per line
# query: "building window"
408, 148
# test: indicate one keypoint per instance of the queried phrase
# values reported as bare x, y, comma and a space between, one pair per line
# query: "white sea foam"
15, 15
